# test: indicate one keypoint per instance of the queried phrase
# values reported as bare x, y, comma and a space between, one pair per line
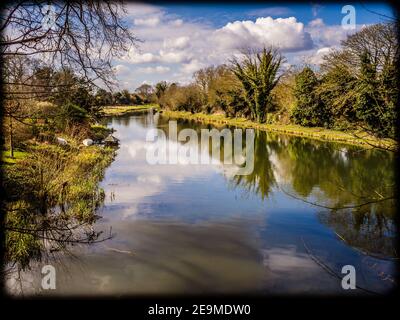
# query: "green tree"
258, 73
370, 106
103, 97
126, 97
309, 109
360, 80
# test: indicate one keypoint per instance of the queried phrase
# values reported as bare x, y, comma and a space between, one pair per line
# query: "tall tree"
82, 35
258, 73
160, 89
309, 109
367, 59
145, 91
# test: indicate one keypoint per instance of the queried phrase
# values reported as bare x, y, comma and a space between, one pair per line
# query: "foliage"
52, 190
70, 114
220, 90
183, 98
309, 111
284, 98
258, 73
160, 89
360, 80
146, 93
375, 100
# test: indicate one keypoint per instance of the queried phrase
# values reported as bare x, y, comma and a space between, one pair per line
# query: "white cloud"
141, 9
326, 36
121, 69
134, 56
317, 57
316, 23
177, 43
177, 22
285, 33
175, 56
192, 66
157, 69
148, 22
175, 48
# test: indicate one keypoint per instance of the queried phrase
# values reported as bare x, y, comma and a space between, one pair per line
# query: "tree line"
356, 87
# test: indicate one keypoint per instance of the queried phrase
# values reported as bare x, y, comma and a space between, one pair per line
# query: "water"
197, 229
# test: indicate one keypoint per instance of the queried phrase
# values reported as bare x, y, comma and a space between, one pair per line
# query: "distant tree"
146, 92
336, 90
103, 97
182, 98
126, 97
224, 91
117, 98
204, 79
160, 89
188, 98
136, 99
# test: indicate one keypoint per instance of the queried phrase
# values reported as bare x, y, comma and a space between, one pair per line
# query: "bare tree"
81, 35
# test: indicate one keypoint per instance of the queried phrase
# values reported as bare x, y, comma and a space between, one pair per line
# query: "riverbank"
353, 138
122, 110
55, 186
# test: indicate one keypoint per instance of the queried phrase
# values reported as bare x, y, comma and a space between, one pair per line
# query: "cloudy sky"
179, 39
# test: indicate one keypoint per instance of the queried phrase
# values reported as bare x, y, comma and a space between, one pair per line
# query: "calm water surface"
199, 229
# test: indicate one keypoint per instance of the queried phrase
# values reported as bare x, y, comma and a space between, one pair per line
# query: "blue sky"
180, 39
220, 14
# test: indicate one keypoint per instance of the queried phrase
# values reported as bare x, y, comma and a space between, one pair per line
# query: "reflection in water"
166, 258
198, 229
262, 179
337, 176
340, 177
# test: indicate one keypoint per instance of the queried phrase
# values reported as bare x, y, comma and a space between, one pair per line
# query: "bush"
69, 114
185, 98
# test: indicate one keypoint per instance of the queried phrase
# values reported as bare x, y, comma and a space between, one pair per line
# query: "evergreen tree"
309, 109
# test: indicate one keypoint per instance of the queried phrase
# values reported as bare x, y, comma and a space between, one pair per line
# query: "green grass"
99, 132
121, 110
18, 155
350, 137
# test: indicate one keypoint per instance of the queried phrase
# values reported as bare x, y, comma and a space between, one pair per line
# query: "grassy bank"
354, 138
18, 155
121, 110
55, 190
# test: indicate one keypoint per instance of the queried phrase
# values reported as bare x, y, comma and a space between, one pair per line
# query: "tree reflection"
370, 228
262, 179
354, 185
